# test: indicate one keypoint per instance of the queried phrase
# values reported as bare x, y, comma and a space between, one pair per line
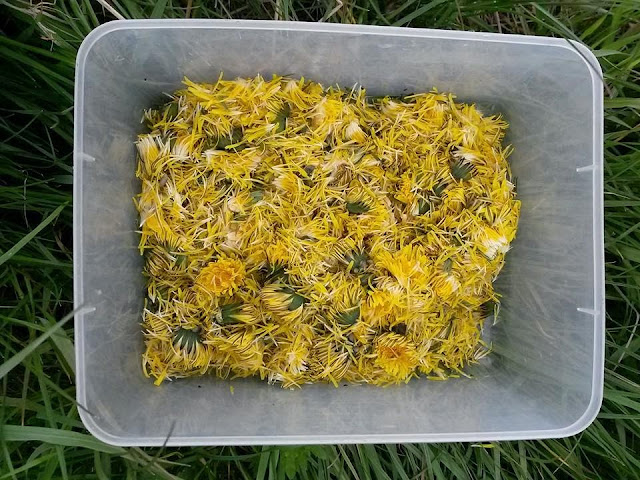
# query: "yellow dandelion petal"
492, 242
354, 132
277, 253
148, 150
410, 266
379, 305
283, 301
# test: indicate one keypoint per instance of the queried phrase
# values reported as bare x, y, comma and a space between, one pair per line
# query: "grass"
41, 435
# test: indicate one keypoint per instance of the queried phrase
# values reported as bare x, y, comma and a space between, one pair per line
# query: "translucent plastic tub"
545, 376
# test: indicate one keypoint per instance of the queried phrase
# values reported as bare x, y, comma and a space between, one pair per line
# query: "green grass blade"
158, 9
54, 436
418, 12
31, 235
622, 103
19, 357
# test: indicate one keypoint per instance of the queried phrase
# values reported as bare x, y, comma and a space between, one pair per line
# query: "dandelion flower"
492, 242
379, 305
221, 277
409, 265
396, 355
354, 132
283, 301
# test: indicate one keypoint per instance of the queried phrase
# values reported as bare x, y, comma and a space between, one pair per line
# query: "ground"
41, 435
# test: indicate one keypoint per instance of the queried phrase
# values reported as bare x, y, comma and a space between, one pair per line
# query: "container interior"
545, 374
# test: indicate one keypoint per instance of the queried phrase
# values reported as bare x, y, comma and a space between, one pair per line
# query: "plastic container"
545, 376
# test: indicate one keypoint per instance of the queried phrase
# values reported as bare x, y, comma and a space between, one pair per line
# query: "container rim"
143, 24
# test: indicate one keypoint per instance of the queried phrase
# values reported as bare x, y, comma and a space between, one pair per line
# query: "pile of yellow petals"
303, 234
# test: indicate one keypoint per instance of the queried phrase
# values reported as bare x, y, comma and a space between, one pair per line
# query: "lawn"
41, 436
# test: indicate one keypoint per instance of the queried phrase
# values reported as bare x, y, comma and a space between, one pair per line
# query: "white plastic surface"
545, 376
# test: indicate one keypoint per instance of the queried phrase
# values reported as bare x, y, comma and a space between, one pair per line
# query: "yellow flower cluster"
303, 234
